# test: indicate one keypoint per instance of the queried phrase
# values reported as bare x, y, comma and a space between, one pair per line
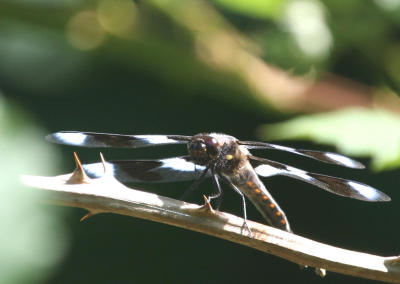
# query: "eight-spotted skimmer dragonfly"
221, 157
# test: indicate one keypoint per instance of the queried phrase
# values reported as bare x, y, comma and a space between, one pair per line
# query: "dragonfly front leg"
218, 194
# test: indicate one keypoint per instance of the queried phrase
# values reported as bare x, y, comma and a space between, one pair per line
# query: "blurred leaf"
23, 48
354, 131
255, 8
32, 238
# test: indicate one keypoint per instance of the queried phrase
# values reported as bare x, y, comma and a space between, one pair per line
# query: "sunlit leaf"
359, 132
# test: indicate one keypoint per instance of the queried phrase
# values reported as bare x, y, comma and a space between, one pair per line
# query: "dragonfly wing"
94, 139
339, 186
164, 170
327, 157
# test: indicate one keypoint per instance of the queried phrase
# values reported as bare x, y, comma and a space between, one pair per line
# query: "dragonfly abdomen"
256, 192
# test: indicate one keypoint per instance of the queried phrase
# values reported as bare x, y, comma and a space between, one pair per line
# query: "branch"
107, 195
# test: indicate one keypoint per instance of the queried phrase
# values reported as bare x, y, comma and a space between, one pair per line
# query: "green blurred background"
325, 74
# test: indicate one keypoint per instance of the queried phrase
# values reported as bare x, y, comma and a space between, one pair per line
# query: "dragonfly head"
204, 149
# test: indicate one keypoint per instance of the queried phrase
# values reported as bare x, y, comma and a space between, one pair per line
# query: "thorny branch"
107, 195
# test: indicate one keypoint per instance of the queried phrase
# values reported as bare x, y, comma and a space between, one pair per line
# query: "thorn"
320, 272
78, 162
87, 216
79, 175
207, 205
103, 161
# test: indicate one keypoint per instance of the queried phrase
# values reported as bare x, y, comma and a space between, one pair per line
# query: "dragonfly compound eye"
212, 146
198, 147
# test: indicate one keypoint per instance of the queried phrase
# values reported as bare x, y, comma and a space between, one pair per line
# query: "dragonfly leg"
218, 194
195, 184
245, 224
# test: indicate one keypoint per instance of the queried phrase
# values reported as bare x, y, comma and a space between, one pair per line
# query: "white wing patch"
156, 139
283, 148
364, 190
298, 172
267, 171
71, 138
342, 159
96, 170
181, 165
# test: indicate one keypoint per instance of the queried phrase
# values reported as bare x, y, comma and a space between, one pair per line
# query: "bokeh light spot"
389, 5
84, 31
117, 16
305, 20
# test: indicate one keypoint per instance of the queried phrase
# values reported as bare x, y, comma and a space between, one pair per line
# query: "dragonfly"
223, 158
